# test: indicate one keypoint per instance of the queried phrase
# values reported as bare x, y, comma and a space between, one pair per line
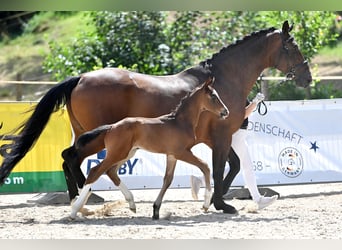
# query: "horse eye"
213, 96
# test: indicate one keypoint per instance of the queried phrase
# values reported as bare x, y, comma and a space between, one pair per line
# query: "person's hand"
258, 98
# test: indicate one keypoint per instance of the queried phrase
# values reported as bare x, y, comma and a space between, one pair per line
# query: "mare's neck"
240, 65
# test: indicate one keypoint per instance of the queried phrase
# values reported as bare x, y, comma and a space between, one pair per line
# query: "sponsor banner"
34, 182
41, 169
295, 142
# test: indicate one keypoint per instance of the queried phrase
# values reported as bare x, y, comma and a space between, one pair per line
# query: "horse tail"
30, 130
89, 136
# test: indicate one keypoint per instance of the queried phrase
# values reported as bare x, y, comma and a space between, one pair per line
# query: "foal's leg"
169, 173
94, 174
74, 156
112, 174
189, 157
78, 203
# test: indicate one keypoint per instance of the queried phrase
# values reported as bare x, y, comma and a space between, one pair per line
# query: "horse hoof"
230, 210
227, 209
72, 216
134, 210
155, 217
205, 209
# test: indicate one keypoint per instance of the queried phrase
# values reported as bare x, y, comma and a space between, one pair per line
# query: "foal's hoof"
205, 208
72, 216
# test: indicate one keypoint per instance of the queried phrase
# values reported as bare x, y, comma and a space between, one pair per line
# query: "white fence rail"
266, 78
19, 83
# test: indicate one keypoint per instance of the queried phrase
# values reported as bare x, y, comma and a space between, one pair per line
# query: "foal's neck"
188, 112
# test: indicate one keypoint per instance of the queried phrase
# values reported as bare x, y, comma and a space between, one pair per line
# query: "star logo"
314, 146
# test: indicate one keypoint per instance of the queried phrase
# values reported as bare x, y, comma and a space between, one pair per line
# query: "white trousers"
240, 146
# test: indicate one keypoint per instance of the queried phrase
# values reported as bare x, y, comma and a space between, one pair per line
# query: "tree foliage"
168, 42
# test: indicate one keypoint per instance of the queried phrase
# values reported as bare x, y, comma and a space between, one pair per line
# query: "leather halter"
291, 72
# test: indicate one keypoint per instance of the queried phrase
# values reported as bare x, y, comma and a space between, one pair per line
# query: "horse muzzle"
304, 81
302, 74
224, 114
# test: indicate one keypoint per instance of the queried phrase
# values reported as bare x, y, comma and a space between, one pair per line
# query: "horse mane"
175, 110
208, 62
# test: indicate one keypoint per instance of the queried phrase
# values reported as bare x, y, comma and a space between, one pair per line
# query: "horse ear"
291, 27
209, 82
286, 28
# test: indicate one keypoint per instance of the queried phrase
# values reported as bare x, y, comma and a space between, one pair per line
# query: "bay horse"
108, 95
172, 134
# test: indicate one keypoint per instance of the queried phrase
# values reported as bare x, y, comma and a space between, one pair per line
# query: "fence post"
18, 89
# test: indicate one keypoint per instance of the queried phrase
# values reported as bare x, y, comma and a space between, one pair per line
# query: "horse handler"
240, 146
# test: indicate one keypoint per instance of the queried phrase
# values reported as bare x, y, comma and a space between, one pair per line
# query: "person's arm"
257, 99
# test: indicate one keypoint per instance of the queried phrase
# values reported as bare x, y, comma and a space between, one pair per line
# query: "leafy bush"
167, 42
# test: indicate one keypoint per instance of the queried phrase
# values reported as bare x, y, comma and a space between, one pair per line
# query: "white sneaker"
266, 201
195, 183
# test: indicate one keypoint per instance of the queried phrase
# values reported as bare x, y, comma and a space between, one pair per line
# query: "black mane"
208, 62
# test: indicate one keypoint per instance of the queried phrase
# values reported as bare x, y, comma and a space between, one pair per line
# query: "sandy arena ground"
303, 212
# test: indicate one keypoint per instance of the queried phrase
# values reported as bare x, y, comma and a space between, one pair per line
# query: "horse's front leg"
169, 173
220, 156
189, 157
234, 169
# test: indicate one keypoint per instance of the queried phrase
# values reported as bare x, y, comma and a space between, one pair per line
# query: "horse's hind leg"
70, 181
113, 175
78, 204
72, 171
169, 173
189, 157
94, 174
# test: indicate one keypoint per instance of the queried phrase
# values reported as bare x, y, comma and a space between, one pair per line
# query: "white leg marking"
207, 198
128, 196
80, 201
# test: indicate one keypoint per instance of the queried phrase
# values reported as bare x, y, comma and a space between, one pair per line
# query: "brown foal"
172, 134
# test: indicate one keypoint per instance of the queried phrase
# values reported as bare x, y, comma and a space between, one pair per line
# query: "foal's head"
211, 101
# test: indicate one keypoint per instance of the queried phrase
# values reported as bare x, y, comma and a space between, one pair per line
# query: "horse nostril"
224, 113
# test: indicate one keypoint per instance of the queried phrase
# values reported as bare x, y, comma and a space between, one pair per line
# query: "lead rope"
262, 103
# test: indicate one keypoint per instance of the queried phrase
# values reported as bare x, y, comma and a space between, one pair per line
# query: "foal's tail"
90, 136
30, 131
